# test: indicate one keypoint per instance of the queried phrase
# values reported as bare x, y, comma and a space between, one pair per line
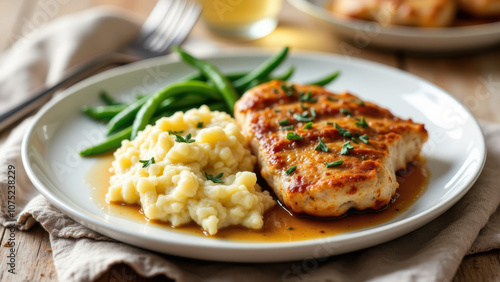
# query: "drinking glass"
246, 19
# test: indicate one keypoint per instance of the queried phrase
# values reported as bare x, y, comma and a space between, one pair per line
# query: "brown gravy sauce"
279, 226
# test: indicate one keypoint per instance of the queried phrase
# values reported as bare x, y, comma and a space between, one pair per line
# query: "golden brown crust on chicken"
365, 180
421, 13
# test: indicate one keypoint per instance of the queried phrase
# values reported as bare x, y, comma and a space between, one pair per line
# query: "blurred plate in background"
364, 33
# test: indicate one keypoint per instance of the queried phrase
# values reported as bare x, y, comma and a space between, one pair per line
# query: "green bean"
200, 77
326, 80
262, 71
285, 76
214, 75
189, 100
108, 100
140, 96
195, 77
102, 113
217, 106
147, 110
236, 75
105, 113
114, 141
123, 118
126, 117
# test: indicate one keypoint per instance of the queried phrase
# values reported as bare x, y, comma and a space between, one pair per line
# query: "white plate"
364, 33
455, 153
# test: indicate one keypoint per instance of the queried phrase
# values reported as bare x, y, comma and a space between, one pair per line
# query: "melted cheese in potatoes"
175, 188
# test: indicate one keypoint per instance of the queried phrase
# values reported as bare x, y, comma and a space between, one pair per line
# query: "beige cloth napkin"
431, 253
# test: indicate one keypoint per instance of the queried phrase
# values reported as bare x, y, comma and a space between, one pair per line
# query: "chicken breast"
420, 13
481, 8
323, 153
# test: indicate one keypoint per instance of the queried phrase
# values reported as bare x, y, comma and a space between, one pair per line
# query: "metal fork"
168, 24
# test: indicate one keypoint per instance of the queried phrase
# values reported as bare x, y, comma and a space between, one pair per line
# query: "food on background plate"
481, 8
324, 154
192, 166
418, 13
421, 13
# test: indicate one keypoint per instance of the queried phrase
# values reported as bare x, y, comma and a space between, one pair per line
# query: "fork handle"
77, 74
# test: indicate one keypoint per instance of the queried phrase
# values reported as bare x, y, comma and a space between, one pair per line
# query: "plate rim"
416, 220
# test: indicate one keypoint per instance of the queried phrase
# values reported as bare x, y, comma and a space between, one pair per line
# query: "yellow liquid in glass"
233, 14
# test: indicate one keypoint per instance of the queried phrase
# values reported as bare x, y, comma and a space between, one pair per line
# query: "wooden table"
465, 76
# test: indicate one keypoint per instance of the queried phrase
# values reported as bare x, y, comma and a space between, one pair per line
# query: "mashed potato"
175, 188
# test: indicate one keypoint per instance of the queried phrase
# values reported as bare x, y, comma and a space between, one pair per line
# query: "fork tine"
179, 35
175, 34
169, 22
154, 20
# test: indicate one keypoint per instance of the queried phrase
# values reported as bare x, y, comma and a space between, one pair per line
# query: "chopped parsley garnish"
359, 102
313, 112
345, 111
357, 134
291, 169
308, 125
293, 136
283, 122
329, 123
181, 139
363, 158
289, 90
354, 140
303, 107
274, 90
334, 164
146, 163
308, 98
364, 138
290, 111
215, 179
199, 124
188, 139
362, 123
289, 127
322, 146
277, 111
303, 117
333, 99
289, 228
342, 131
346, 147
